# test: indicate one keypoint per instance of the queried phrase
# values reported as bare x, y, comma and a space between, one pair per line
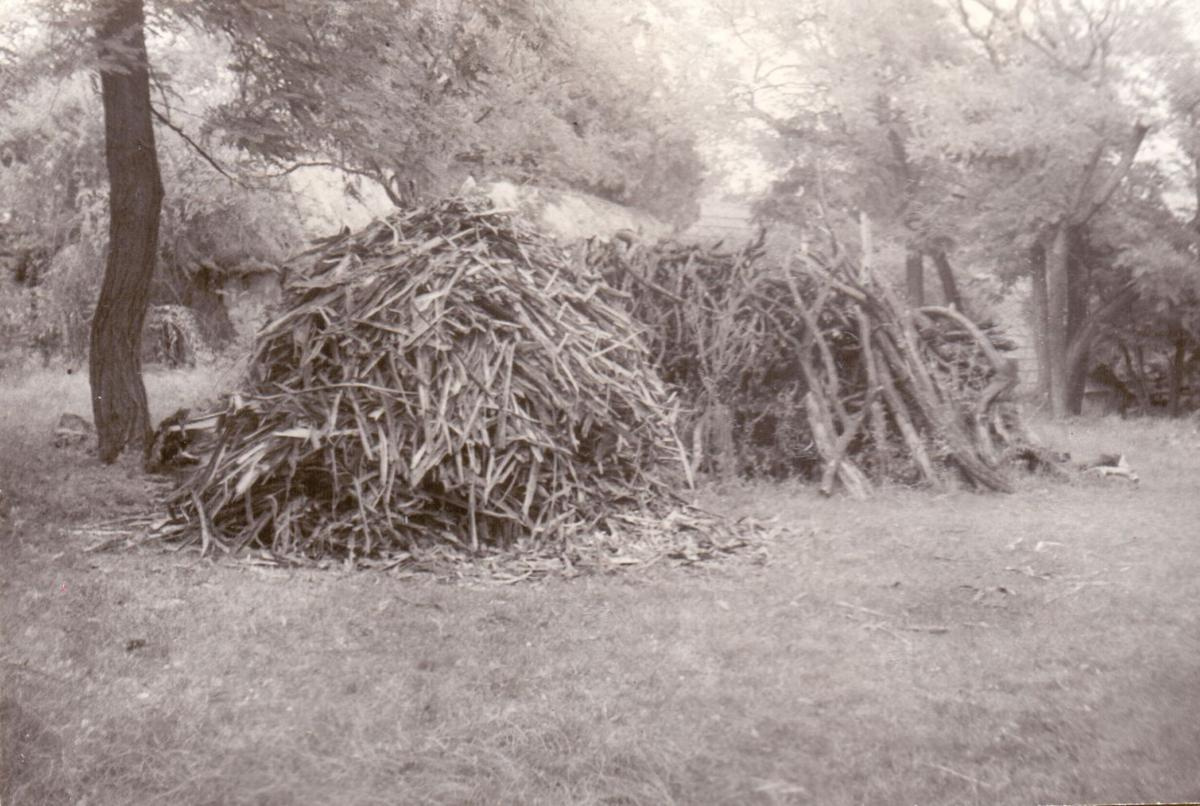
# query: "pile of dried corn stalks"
812, 367
444, 376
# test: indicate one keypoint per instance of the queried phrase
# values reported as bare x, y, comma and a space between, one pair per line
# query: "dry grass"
1039, 647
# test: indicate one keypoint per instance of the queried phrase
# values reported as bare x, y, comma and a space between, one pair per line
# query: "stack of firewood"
444, 376
814, 367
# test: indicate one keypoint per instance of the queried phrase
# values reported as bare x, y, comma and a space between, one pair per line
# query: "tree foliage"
1028, 138
420, 95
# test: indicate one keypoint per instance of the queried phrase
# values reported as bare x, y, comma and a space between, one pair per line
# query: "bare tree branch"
982, 37
164, 120
1085, 181
296, 166
1118, 174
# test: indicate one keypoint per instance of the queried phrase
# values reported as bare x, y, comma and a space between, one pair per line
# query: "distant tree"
834, 89
1140, 240
1001, 130
1055, 118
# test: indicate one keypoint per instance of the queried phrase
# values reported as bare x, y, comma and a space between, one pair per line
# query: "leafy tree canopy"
415, 94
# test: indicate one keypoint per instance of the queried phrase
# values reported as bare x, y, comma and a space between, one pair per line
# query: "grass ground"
1042, 647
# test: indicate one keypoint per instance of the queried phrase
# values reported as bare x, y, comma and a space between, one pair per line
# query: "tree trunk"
1078, 290
1057, 300
949, 286
1178, 362
1137, 371
1066, 286
914, 277
135, 199
1037, 298
1080, 342
1078, 281
1196, 176
1079, 361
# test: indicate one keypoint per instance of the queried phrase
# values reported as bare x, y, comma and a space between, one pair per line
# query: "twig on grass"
118, 538
863, 609
105, 545
957, 774
935, 629
1076, 588
123, 520
1029, 572
881, 627
511, 580
21, 667
433, 605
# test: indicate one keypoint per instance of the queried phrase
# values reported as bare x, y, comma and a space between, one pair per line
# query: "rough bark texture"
135, 198
1038, 316
950, 292
1178, 369
1057, 289
914, 277
1196, 183
1079, 286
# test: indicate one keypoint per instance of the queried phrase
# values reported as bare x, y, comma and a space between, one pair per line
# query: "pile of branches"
814, 368
444, 377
